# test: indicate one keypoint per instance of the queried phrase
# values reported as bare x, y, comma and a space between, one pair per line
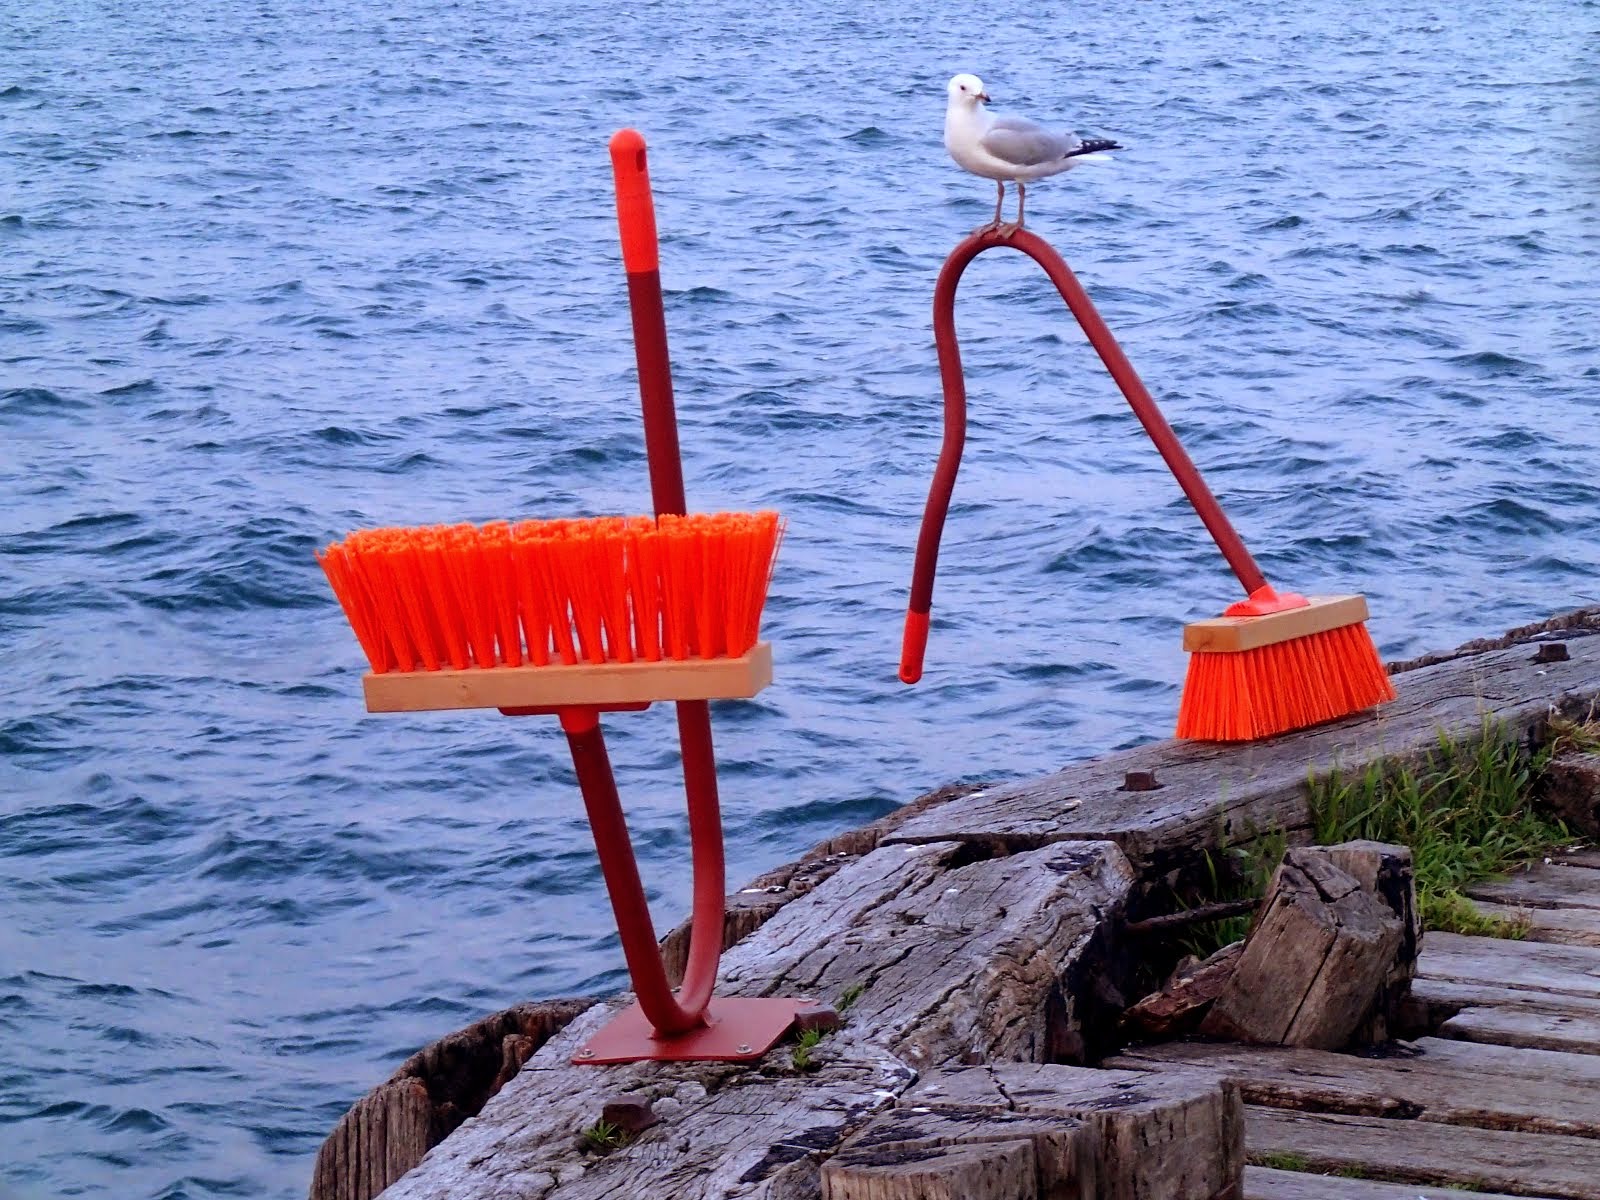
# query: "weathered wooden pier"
977, 945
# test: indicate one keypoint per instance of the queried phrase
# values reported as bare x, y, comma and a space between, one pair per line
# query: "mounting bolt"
745, 1048
1550, 652
1140, 781
586, 1053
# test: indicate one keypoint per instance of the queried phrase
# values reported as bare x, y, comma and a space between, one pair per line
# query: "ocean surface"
273, 271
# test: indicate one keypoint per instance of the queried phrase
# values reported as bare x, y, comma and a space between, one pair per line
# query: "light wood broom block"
1231, 635
603, 683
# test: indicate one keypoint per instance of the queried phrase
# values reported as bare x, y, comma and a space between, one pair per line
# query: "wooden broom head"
567, 600
1254, 677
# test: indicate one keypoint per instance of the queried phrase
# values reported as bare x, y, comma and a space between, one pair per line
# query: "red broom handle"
915, 642
641, 259
636, 221
669, 1015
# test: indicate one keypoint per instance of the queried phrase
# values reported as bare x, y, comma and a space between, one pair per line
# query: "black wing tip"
1097, 145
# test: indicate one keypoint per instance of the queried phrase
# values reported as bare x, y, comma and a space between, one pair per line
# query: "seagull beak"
983, 97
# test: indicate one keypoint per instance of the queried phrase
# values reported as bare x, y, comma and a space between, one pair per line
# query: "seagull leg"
1010, 227
999, 199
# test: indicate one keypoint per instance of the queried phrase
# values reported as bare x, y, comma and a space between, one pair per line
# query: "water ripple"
351, 265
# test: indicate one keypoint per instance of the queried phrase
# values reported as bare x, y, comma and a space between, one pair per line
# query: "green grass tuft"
1281, 1160
1466, 811
602, 1137
1239, 872
1452, 912
800, 1056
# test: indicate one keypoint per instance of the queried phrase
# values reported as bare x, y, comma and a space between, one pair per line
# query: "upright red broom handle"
668, 1014
641, 258
1205, 504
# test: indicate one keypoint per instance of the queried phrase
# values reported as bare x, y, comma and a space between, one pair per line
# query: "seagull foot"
986, 227
1006, 228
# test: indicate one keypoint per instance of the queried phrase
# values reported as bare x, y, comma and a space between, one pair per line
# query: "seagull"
1002, 148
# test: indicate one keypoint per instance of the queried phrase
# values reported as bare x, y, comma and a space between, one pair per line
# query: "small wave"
138, 387
37, 402
1506, 516
1492, 363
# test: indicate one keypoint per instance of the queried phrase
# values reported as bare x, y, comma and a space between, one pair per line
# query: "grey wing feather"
1027, 143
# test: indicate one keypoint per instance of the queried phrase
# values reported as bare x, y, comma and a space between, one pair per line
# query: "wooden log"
1437, 1000
1560, 926
753, 905
1387, 871
1577, 856
387, 1131
1544, 885
1499, 963
1444, 1082
381, 1137
966, 1153
1317, 962
1214, 796
1179, 1007
1526, 1164
1264, 1183
1571, 787
1173, 1136
988, 1170
952, 961
1536, 1030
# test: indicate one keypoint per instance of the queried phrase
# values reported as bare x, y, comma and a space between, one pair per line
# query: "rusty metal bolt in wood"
1139, 781
1551, 652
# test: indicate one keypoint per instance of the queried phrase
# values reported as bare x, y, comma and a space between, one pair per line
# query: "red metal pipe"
915, 641
668, 1014
628, 901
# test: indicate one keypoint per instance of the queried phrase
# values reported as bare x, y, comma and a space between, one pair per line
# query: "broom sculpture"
1272, 662
575, 618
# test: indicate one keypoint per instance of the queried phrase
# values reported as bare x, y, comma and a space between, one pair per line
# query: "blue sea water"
273, 271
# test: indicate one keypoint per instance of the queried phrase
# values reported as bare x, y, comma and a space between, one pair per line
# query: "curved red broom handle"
915, 641
669, 1014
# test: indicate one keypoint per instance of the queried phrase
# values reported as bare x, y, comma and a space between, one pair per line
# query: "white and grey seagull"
1008, 148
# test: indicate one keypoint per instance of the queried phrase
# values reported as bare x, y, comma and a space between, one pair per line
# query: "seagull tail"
1095, 146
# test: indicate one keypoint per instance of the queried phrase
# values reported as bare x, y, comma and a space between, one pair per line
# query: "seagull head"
966, 91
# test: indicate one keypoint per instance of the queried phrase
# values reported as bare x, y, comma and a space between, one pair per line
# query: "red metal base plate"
738, 1029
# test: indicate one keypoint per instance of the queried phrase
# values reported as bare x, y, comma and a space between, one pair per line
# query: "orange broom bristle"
1270, 689
603, 589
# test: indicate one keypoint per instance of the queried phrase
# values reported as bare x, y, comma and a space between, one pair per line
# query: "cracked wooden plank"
1524, 1164
1173, 1136
1537, 967
1265, 1183
1572, 1032
1444, 1082
1562, 926
1222, 795
1542, 886
957, 961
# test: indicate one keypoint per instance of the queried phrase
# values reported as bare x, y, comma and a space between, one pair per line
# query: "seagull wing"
1025, 143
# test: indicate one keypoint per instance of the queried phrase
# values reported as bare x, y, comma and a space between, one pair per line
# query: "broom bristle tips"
1273, 689
603, 589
